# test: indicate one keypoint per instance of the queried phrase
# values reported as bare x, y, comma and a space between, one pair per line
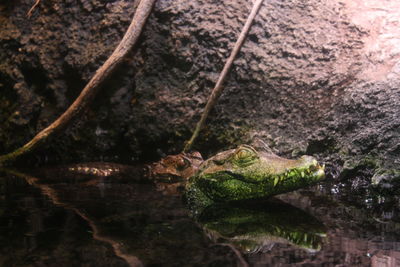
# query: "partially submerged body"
236, 174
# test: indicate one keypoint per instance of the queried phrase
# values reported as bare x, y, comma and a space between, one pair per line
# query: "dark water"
94, 222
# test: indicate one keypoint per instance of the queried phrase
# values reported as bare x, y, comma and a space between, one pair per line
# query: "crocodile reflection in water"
261, 225
259, 173
113, 211
147, 224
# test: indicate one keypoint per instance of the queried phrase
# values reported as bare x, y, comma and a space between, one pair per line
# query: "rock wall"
313, 77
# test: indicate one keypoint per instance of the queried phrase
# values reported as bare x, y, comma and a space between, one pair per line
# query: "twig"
29, 14
216, 92
84, 99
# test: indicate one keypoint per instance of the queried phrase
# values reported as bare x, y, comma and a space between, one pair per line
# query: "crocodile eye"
244, 156
182, 163
243, 153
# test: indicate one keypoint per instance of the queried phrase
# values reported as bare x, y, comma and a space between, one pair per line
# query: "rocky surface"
320, 77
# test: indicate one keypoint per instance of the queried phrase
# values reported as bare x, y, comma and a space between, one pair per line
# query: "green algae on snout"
246, 173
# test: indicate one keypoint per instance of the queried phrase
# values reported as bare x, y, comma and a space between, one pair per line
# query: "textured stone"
319, 77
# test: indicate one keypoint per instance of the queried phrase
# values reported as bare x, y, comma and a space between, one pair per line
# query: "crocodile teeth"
276, 180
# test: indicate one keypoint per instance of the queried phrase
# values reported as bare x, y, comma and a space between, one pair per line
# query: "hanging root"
29, 14
216, 92
89, 91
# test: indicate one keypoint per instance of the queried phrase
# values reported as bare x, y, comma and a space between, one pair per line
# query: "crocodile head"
246, 173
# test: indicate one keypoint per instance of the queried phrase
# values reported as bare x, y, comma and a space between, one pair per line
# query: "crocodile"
249, 172
245, 172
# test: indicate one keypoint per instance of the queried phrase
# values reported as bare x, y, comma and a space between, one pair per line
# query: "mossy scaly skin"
245, 173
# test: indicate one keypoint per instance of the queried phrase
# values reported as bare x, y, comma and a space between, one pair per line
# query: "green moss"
360, 166
381, 176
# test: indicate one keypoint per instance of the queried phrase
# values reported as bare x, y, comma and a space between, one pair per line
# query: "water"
90, 221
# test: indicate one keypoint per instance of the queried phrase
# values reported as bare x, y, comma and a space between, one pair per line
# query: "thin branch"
84, 99
30, 12
242, 261
216, 92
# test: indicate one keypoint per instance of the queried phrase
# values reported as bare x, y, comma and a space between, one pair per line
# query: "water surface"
89, 221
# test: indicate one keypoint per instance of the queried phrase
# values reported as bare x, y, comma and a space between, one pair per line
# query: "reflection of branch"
215, 235
52, 194
242, 261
